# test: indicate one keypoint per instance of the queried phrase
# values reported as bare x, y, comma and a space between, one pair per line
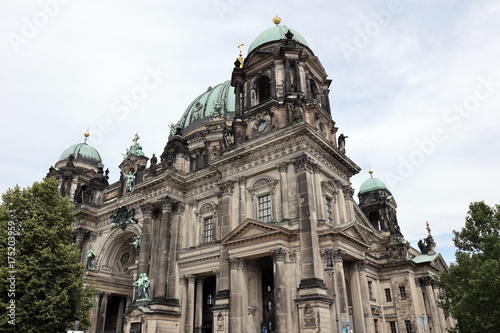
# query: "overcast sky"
415, 87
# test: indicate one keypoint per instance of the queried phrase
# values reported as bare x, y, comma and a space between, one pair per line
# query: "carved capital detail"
147, 209
166, 203
226, 188
303, 163
279, 254
292, 256
236, 263
180, 208
361, 265
338, 255
283, 167
242, 180
80, 233
92, 236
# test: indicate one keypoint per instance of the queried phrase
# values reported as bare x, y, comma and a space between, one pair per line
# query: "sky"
415, 87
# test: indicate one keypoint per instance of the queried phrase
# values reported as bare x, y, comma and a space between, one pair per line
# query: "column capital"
182, 280
147, 209
361, 265
80, 233
92, 236
426, 281
191, 279
338, 255
242, 180
180, 208
279, 254
226, 188
303, 163
282, 167
236, 263
166, 203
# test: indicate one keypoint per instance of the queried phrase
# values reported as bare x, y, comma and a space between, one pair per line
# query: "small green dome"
218, 101
82, 152
276, 33
372, 184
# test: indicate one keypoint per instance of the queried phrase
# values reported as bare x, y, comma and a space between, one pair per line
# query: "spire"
240, 56
86, 135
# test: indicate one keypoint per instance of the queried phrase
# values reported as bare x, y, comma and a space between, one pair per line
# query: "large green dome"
218, 101
82, 152
276, 33
372, 184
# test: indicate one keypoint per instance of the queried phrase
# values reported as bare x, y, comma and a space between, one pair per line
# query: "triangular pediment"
350, 231
251, 230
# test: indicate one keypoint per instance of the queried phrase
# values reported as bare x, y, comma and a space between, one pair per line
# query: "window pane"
329, 211
265, 208
208, 230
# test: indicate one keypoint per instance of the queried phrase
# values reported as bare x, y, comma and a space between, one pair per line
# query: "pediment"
351, 231
252, 230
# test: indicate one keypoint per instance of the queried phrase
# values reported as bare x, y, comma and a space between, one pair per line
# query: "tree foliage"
45, 289
471, 288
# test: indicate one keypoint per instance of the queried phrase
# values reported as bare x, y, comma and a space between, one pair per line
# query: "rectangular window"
208, 230
370, 289
393, 327
265, 208
329, 210
402, 292
408, 326
388, 297
375, 325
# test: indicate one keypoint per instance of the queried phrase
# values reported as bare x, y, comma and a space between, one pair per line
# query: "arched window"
263, 89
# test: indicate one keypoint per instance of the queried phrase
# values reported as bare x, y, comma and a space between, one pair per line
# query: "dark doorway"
268, 304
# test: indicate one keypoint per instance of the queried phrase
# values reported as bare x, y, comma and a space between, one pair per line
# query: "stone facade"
249, 221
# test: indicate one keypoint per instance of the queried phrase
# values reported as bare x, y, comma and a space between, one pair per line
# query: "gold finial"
371, 173
428, 227
276, 20
240, 56
86, 135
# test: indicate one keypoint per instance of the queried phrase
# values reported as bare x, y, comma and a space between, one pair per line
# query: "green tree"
42, 281
471, 288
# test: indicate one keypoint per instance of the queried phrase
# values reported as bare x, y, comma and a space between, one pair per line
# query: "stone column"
285, 201
236, 298
280, 290
296, 68
143, 266
272, 68
119, 320
102, 312
237, 99
348, 192
242, 181
198, 309
341, 287
94, 313
190, 304
357, 301
160, 287
342, 207
427, 282
172, 277
288, 83
442, 319
320, 204
309, 244
365, 295
183, 302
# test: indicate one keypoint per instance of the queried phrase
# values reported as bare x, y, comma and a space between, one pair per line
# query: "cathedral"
247, 221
